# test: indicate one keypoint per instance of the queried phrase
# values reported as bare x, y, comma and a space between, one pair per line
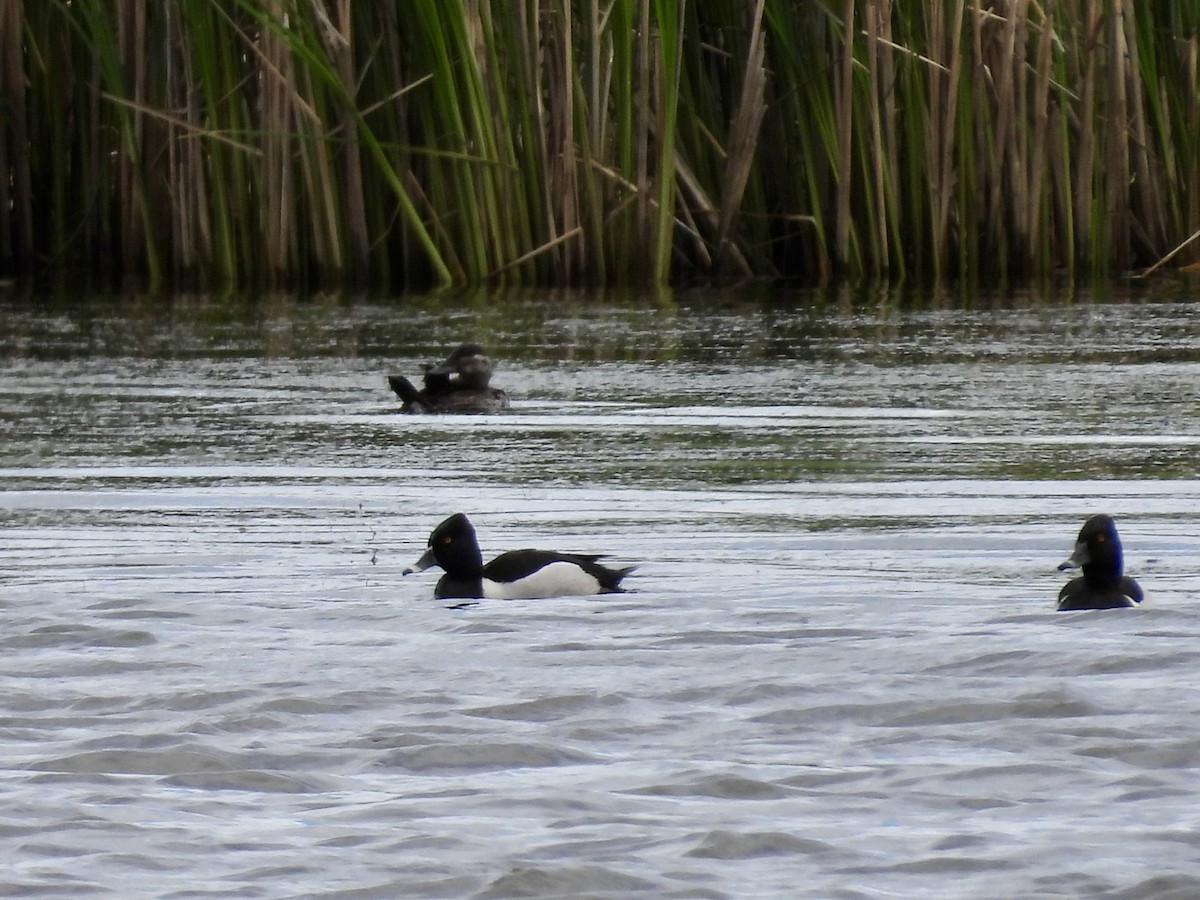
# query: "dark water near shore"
837, 673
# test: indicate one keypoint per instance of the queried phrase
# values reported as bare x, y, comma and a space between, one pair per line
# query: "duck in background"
515, 575
458, 384
1103, 584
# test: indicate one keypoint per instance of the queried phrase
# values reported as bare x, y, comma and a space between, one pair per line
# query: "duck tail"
612, 584
404, 389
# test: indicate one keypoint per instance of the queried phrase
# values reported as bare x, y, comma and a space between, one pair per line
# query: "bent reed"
288, 143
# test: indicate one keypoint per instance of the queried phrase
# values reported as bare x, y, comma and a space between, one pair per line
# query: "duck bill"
1079, 558
426, 561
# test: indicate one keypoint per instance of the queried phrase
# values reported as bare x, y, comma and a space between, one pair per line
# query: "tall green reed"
298, 142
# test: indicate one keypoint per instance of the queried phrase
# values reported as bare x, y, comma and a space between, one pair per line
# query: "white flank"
559, 579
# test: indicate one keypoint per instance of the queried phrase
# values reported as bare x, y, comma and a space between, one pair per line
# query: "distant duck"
458, 384
515, 575
1103, 584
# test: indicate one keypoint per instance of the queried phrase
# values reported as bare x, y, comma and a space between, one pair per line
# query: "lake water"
837, 673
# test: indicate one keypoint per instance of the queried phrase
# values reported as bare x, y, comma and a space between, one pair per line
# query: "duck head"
453, 546
1098, 552
468, 366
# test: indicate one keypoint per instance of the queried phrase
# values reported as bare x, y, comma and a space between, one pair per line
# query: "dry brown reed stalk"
16, 190
556, 129
1040, 150
1169, 256
131, 186
1150, 227
278, 176
670, 18
743, 131
1004, 158
880, 77
845, 117
1116, 162
946, 51
191, 231
1090, 23
645, 65
1191, 175
696, 202
339, 42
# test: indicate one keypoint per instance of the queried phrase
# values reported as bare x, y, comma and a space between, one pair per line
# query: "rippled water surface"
837, 673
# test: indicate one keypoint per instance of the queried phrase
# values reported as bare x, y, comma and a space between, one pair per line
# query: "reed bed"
258, 143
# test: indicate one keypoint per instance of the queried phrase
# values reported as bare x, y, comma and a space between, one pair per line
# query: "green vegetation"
267, 143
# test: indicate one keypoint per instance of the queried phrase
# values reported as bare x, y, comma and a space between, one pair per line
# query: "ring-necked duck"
458, 384
1103, 584
517, 574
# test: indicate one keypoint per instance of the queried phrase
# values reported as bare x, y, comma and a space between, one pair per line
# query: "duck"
515, 575
1103, 584
458, 384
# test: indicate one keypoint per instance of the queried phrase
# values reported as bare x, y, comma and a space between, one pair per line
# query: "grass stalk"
16, 191
845, 132
743, 131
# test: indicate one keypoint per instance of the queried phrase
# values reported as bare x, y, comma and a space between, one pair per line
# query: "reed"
269, 143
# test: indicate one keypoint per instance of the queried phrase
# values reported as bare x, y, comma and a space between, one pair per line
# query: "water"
838, 673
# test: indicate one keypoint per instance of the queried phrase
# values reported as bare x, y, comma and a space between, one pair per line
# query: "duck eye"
1101, 538
447, 540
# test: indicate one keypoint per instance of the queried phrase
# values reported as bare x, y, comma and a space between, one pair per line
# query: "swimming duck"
458, 384
517, 574
1103, 584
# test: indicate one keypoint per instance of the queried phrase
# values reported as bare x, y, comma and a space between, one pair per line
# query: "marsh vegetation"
287, 143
